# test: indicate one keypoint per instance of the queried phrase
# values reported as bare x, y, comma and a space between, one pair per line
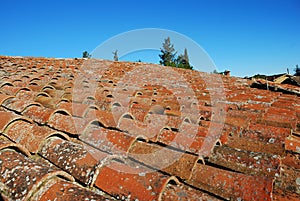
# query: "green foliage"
258, 76
168, 56
168, 53
297, 70
183, 61
85, 54
216, 72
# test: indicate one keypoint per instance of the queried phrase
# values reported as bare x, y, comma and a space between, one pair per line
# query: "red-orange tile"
185, 193
244, 161
163, 158
131, 181
6, 118
231, 185
292, 143
60, 190
38, 114
78, 160
111, 141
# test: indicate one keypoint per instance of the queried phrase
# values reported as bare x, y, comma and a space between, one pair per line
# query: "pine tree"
183, 61
297, 70
116, 57
85, 54
168, 53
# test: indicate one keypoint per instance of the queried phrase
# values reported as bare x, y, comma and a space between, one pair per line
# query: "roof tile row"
68, 134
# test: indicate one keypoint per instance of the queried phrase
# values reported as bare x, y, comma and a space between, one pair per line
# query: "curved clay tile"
23, 90
47, 101
23, 176
252, 163
29, 134
110, 141
106, 118
116, 104
4, 84
150, 128
67, 96
231, 185
292, 143
74, 158
75, 109
38, 114
183, 192
4, 97
61, 120
20, 83
10, 90
267, 134
18, 105
139, 113
34, 79
80, 95
248, 144
48, 87
50, 92
90, 100
173, 162
61, 190
7, 118
43, 94
34, 87
6, 143
130, 181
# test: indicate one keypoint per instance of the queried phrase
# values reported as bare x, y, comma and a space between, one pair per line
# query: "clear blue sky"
245, 36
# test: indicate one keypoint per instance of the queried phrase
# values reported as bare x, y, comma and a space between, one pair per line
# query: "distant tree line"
167, 56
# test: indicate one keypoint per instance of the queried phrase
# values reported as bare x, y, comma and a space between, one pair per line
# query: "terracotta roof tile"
29, 134
4, 97
6, 118
115, 134
21, 176
110, 141
130, 181
6, 143
185, 193
288, 181
74, 158
245, 161
292, 143
38, 114
60, 190
18, 105
165, 159
231, 185
61, 121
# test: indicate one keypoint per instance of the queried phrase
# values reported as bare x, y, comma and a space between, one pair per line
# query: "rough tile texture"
85, 129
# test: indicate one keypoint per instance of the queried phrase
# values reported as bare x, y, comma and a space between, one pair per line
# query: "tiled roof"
76, 129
